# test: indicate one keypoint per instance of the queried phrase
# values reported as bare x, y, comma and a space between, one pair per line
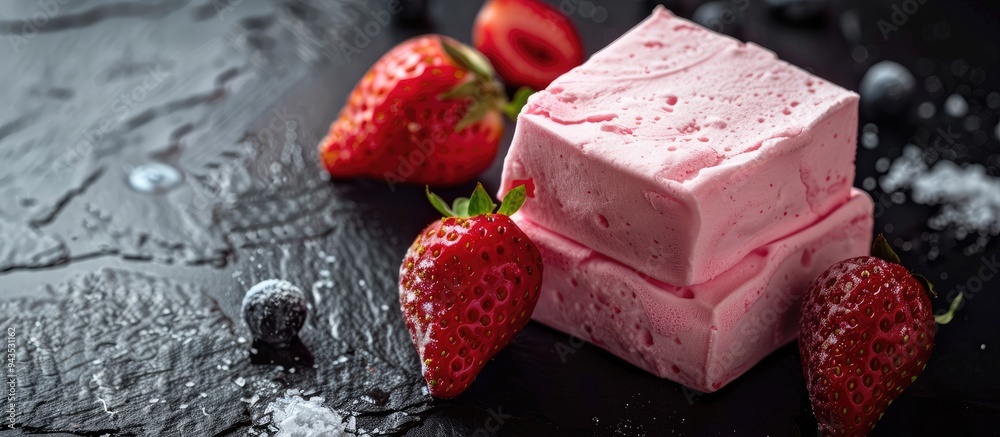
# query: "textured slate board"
84, 351
235, 95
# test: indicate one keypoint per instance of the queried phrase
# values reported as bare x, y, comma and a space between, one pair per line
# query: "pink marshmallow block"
702, 336
678, 151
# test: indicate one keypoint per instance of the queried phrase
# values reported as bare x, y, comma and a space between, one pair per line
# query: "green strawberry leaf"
461, 207
882, 249
513, 108
513, 200
439, 203
926, 283
944, 319
476, 112
468, 58
480, 202
465, 90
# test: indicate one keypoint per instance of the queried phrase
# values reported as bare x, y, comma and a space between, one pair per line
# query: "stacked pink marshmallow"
686, 189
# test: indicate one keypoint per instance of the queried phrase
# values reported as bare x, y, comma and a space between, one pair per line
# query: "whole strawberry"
429, 112
865, 334
467, 285
529, 42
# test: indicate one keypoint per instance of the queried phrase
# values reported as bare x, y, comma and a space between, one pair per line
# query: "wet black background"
128, 302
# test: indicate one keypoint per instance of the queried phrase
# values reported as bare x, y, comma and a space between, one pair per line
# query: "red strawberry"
429, 112
528, 41
866, 332
467, 285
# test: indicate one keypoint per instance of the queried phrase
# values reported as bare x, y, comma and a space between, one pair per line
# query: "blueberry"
275, 311
720, 16
796, 11
886, 89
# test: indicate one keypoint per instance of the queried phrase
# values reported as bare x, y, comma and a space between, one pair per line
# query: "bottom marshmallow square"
704, 335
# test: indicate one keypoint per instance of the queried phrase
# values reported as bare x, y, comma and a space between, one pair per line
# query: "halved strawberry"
529, 42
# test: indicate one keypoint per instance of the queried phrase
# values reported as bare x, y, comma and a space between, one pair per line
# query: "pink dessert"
677, 151
704, 335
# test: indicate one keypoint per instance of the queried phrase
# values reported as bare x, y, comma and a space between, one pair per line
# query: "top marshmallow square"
678, 151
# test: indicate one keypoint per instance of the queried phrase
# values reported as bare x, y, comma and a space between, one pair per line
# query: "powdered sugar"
969, 198
294, 416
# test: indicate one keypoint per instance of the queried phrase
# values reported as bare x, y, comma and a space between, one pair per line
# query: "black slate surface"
125, 305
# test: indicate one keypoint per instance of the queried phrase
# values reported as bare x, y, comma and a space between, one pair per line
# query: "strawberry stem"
468, 58
513, 108
487, 93
926, 283
478, 203
882, 249
944, 319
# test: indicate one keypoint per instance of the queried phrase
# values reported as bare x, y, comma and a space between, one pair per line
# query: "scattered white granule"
969, 198
294, 416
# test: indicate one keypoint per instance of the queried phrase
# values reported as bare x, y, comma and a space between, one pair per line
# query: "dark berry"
275, 311
886, 89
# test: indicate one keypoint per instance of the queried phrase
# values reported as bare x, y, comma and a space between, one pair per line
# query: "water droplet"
993, 100
154, 177
869, 183
869, 140
926, 110
956, 106
932, 84
882, 164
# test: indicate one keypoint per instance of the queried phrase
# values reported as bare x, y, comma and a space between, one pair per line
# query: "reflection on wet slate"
295, 354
